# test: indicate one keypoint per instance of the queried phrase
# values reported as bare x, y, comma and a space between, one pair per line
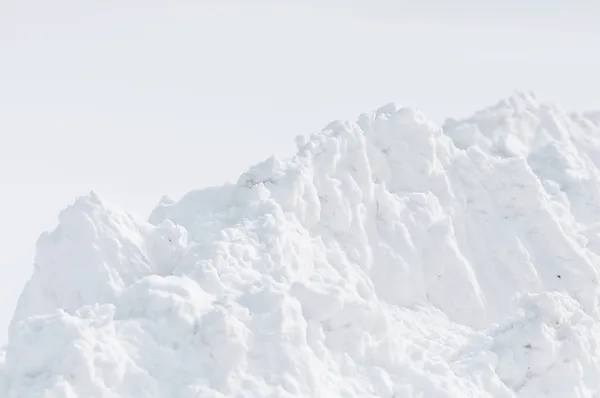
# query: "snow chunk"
389, 257
95, 252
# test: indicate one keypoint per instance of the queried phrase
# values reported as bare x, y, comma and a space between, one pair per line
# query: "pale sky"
137, 99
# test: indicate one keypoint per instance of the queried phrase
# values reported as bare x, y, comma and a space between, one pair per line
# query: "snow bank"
388, 258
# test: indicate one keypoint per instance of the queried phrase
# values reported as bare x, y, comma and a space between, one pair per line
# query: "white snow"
388, 258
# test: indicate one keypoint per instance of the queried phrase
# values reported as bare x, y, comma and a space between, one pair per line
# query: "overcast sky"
137, 99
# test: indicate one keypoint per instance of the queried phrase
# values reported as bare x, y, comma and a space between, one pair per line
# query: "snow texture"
388, 258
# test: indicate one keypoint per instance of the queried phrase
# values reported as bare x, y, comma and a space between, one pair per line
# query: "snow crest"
388, 258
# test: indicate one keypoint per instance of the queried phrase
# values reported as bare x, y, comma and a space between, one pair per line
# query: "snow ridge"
388, 258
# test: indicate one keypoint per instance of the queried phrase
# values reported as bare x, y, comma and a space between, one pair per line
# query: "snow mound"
388, 258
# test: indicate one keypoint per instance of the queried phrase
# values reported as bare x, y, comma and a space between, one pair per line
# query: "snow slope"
388, 258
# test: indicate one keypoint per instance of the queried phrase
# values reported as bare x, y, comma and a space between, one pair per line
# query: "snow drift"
388, 258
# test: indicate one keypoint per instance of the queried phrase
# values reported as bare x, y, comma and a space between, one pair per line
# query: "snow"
389, 257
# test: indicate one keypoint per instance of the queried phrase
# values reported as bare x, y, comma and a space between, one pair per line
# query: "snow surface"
388, 258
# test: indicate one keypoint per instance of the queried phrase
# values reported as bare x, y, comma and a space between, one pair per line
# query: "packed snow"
389, 257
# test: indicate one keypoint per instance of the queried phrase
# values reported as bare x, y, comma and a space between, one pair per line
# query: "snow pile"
388, 258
